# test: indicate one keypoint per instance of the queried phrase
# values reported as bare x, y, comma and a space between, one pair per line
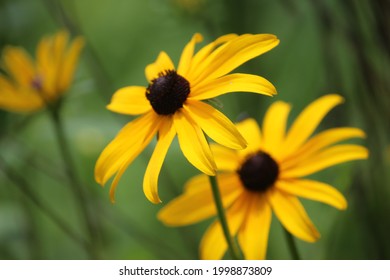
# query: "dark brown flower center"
259, 172
168, 92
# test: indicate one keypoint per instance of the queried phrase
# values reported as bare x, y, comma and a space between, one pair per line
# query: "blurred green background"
326, 46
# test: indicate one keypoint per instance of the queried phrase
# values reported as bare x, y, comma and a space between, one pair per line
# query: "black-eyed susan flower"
172, 104
30, 85
267, 177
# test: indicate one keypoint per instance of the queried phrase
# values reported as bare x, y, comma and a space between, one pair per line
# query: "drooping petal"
313, 190
69, 64
274, 127
193, 143
125, 145
320, 141
130, 100
138, 148
233, 83
187, 54
19, 65
162, 64
308, 121
253, 236
165, 136
202, 54
324, 159
292, 215
233, 54
144, 139
215, 124
250, 130
213, 244
226, 159
197, 203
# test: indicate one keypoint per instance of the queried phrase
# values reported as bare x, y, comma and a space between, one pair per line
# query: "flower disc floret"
259, 172
168, 92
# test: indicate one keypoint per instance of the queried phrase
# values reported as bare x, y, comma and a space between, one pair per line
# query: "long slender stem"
292, 245
233, 247
25, 188
76, 186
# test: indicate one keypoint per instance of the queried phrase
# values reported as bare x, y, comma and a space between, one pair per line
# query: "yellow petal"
193, 143
228, 180
144, 138
6, 85
235, 53
124, 145
162, 64
21, 100
130, 100
314, 190
326, 158
186, 56
250, 130
197, 182
45, 64
253, 236
215, 124
19, 65
226, 159
213, 244
165, 136
42, 53
308, 121
19, 104
233, 83
320, 141
69, 64
197, 203
202, 54
60, 41
274, 127
51, 57
292, 215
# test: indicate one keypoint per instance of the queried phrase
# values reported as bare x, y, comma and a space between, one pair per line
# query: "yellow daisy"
30, 85
266, 177
172, 104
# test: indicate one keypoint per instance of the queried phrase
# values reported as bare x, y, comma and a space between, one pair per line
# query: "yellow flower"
30, 85
171, 104
266, 177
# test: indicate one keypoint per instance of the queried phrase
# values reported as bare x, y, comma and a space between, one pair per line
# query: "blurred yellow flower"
266, 177
171, 104
30, 85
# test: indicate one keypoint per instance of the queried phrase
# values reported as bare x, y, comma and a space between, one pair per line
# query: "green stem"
76, 187
26, 189
232, 245
292, 245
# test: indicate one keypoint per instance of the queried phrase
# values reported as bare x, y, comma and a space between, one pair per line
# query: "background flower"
267, 176
29, 85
